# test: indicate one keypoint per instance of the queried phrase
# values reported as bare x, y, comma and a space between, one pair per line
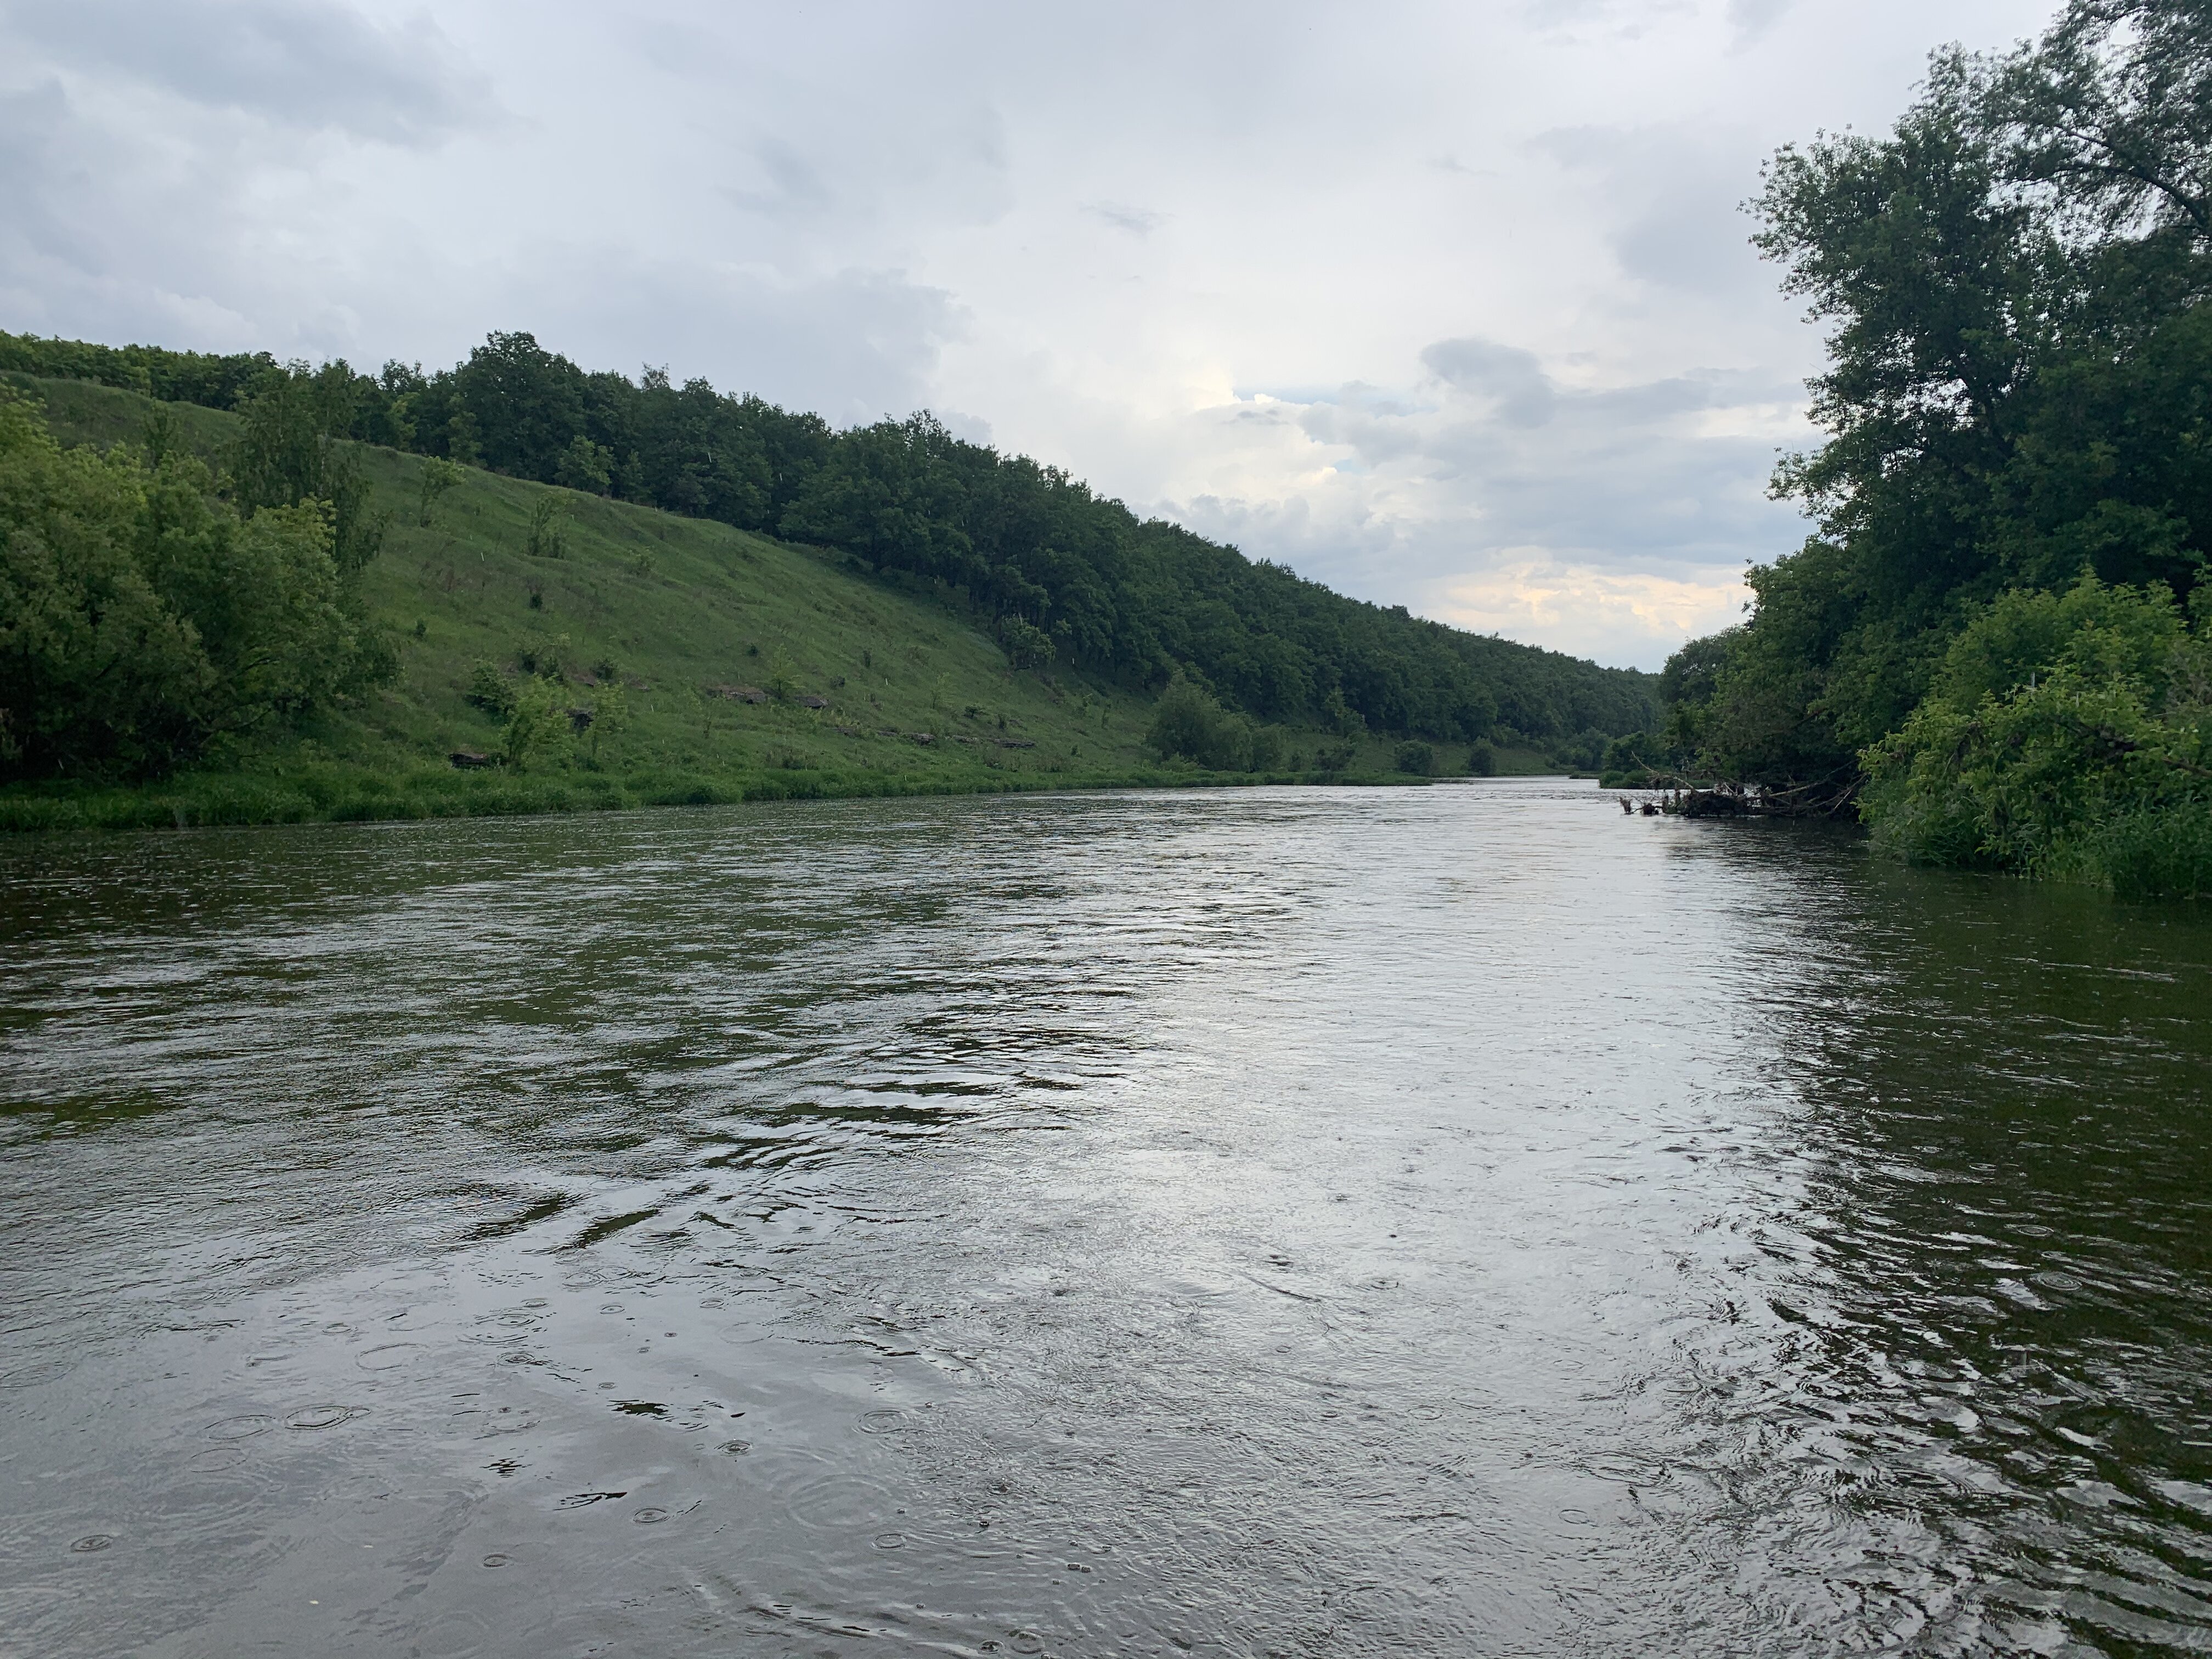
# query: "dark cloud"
104, 236
1509, 377
303, 65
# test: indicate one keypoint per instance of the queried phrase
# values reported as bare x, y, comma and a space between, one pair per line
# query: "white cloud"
1447, 305
1533, 595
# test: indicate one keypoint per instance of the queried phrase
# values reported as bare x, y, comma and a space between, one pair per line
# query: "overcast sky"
1446, 304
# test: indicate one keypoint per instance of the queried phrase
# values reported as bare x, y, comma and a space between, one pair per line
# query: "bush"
1027, 646
549, 535
537, 726
1189, 724
2067, 735
1482, 760
1335, 757
439, 476
142, 618
488, 689
1417, 758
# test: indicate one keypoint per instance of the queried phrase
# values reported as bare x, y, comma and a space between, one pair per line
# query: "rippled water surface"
1453, 1221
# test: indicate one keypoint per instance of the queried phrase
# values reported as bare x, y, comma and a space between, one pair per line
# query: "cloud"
306, 66
100, 236
1507, 377
1450, 306
1751, 19
1612, 614
1674, 196
792, 186
1609, 519
1137, 222
875, 335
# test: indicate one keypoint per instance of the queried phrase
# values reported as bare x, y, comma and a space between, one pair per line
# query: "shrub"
438, 477
1482, 760
549, 535
2067, 734
1189, 724
537, 726
142, 618
488, 689
1027, 646
1417, 758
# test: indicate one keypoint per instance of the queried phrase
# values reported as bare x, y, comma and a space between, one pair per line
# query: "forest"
1059, 576
1997, 646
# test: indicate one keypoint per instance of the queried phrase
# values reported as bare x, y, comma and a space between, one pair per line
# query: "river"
1450, 1221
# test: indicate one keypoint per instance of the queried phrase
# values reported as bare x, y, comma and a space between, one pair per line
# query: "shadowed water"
1451, 1221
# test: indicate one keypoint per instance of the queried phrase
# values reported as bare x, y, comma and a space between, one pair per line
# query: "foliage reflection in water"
1429, 1221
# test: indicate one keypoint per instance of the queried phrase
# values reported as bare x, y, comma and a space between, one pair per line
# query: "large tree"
2017, 388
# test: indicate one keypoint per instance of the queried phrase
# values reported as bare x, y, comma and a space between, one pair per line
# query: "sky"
1450, 306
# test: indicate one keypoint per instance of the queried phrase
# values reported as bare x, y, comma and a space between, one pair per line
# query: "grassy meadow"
874, 684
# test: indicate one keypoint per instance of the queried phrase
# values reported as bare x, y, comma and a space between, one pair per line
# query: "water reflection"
2002, 1333
1441, 1221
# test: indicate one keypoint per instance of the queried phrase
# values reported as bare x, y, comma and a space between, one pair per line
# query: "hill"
675, 655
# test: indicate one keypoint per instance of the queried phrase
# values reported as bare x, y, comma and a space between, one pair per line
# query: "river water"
1451, 1221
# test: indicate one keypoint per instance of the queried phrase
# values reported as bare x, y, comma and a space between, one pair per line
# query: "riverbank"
310, 793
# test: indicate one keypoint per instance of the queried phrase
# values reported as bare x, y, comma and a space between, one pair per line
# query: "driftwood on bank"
1678, 797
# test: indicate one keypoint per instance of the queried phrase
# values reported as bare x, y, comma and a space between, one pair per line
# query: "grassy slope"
681, 605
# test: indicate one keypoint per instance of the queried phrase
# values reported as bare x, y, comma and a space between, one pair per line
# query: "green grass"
677, 607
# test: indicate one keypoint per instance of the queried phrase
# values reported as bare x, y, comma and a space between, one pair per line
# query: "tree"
585, 465
284, 455
1188, 723
1026, 645
2016, 393
439, 477
141, 619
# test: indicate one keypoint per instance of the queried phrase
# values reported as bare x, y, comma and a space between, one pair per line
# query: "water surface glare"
1450, 1221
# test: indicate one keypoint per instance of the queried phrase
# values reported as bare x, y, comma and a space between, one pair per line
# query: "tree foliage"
2019, 392
1189, 723
142, 618
2065, 734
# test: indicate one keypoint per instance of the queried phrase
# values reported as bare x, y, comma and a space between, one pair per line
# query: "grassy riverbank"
724, 665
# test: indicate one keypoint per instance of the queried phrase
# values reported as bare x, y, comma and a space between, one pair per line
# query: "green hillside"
669, 659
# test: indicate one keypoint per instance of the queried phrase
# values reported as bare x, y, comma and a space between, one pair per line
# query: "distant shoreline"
340, 795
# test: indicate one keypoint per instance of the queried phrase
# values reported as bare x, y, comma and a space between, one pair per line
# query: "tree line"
1060, 573
1996, 636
